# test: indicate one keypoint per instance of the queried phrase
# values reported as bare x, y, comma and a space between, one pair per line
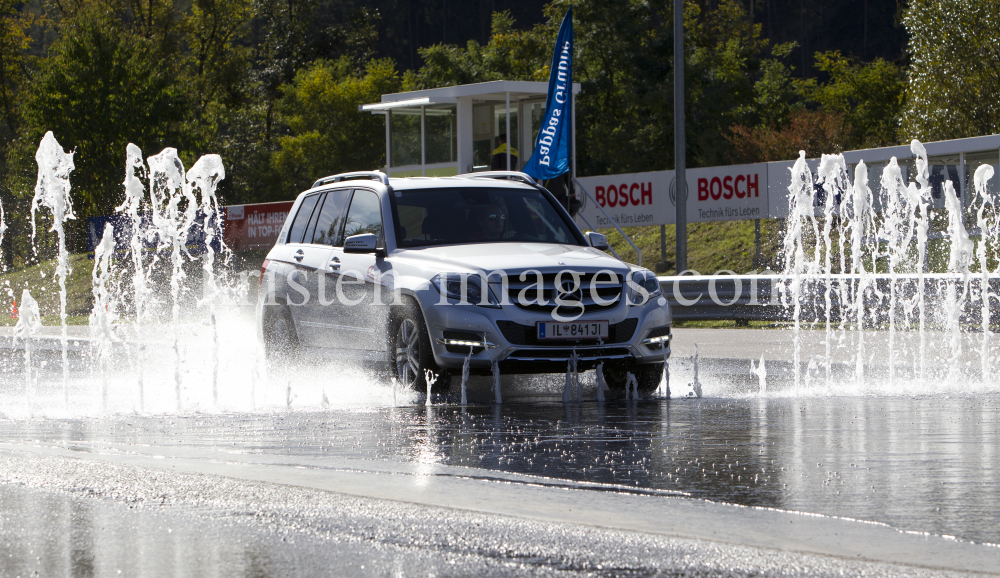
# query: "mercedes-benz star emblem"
570, 293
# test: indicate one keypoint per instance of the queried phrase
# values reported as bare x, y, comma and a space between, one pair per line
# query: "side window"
331, 218
311, 227
365, 215
302, 218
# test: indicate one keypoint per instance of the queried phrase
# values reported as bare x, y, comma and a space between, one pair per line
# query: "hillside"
711, 246
40, 280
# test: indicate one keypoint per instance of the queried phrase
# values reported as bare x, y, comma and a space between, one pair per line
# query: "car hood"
512, 257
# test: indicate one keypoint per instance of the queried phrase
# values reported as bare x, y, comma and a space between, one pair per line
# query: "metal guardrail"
759, 297
723, 297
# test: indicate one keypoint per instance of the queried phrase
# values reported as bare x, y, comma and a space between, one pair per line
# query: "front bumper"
508, 333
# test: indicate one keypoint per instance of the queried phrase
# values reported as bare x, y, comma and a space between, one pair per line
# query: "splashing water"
102, 316
666, 373
695, 383
168, 193
631, 387
761, 372
430, 378
495, 369
29, 322
862, 267
800, 213
135, 192
52, 192
602, 386
465, 376
988, 230
204, 178
574, 361
568, 385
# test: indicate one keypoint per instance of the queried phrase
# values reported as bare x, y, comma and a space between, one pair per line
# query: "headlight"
642, 286
450, 285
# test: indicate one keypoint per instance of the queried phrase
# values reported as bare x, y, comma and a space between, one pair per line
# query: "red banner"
253, 227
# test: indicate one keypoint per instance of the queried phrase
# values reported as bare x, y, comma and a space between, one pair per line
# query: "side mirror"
597, 240
361, 243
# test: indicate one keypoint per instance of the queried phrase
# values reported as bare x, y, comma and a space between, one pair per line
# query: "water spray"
52, 192
29, 323
103, 313
495, 369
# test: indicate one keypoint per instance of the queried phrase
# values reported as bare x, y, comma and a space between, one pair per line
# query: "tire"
281, 343
410, 353
648, 375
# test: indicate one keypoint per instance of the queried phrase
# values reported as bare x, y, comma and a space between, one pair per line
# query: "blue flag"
552, 147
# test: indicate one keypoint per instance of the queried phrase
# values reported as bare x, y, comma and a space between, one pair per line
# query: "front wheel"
411, 351
647, 375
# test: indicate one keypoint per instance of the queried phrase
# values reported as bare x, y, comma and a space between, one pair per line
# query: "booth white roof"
495, 90
934, 148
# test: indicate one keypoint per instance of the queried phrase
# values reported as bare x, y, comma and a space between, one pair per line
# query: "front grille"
518, 334
588, 354
607, 287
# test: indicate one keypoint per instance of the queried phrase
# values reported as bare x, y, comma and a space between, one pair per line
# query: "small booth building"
456, 129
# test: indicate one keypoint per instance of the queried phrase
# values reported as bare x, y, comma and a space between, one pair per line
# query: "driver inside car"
490, 222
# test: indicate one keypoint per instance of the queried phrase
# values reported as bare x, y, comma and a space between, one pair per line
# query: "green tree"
100, 88
859, 106
814, 131
870, 97
218, 63
776, 94
14, 43
510, 54
624, 56
326, 133
954, 73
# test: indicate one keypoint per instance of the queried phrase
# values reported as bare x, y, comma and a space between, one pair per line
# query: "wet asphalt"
811, 481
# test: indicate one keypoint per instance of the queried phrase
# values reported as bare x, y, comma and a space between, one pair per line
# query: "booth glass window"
943, 169
500, 127
404, 137
537, 112
440, 135
482, 136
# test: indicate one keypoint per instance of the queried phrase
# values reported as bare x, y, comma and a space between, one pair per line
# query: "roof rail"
508, 175
371, 175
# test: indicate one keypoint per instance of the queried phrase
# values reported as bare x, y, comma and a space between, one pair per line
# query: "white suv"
421, 273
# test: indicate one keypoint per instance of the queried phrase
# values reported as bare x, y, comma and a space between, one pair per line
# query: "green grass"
723, 245
41, 281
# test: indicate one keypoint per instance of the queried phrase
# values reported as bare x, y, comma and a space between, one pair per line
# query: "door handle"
335, 264
299, 255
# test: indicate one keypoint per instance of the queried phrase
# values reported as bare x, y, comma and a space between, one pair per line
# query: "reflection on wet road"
925, 464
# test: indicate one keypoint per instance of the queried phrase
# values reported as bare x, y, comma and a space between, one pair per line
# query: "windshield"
478, 215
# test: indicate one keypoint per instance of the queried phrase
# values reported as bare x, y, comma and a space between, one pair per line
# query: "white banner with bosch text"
729, 193
631, 200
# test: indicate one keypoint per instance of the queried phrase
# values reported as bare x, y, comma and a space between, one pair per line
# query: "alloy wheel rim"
408, 352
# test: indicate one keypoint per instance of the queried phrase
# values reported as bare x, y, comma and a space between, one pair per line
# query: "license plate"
573, 330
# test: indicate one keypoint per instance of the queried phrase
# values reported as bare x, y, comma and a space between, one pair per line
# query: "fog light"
656, 342
463, 343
